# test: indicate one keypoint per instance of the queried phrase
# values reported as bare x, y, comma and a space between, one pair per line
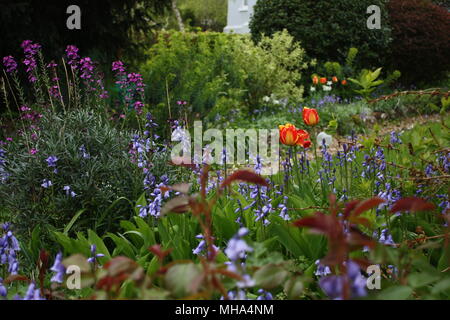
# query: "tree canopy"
107, 26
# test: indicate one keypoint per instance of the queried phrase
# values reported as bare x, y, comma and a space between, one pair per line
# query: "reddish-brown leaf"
316, 222
358, 239
177, 205
366, 206
349, 206
15, 277
157, 250
246, 176
412, 204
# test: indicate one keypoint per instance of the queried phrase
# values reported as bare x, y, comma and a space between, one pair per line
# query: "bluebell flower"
69, 191
322, 270
395, 138
236, 295
94, 255
59, 269
237, 247
51, 161
264, 295
8, 248
333, 285
46, 183
3, 290
33, 293
201, 246
84, 152
284, 210
444, 160
429, 170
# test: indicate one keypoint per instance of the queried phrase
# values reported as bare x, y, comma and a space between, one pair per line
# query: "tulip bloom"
310, 116
344, 82
291, 136
323, 80
334, 79
315, 80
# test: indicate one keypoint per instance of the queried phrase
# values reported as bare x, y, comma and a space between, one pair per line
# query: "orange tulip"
291, 136
323, 80
310, 116
334, 79
315, 80
344, 82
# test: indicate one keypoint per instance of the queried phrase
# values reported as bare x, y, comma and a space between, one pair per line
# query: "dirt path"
386, 127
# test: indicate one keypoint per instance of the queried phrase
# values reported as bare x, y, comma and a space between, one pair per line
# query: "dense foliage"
221, 76
326, 29
421, 39
95, 203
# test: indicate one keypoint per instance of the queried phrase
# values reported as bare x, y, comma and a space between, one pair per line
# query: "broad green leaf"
270, 276
183, 279
396, 293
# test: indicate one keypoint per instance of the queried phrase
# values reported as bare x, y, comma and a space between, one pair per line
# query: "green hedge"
326, 29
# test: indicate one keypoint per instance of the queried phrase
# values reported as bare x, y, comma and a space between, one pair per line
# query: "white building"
239, 13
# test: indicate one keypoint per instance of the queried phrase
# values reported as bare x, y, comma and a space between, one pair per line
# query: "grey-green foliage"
98, 180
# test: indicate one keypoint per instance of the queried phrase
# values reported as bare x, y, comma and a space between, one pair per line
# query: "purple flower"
59, 269
30, 49
10, 64
3, 291
333, 285
395, 138
86, 68
322, 270
429, 170
72, 55
51, 161
32, 293
264, 295
201, 246
46, 183
237, 247
69, 191
119, 67
94, 256
84, 152
8, 248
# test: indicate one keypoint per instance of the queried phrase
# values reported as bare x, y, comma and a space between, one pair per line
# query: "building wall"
239, 13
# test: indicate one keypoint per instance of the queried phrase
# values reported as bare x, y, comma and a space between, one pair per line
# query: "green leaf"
142, 201
294, 288
441, 286
270, 276
72, 221
421, 279
396, 293
183, 279
286, 239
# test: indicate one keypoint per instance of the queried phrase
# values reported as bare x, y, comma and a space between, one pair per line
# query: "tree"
107, 26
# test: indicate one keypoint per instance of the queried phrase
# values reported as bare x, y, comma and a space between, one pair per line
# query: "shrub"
215, 71
323, 26
421, 33
92, 160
